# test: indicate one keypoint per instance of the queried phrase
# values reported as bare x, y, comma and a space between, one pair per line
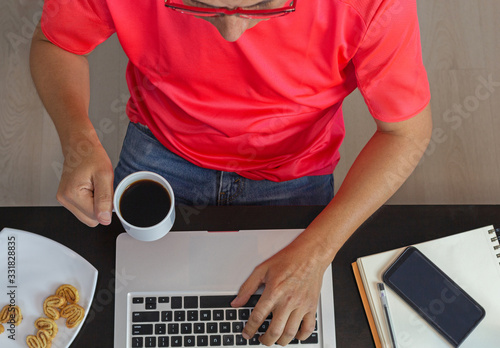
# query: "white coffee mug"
155, 231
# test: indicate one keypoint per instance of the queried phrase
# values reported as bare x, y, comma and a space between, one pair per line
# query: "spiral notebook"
471, 259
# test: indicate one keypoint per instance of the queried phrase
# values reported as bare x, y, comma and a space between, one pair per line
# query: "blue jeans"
194, 185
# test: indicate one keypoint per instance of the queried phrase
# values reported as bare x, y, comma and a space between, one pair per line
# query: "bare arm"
62, 81
293, 277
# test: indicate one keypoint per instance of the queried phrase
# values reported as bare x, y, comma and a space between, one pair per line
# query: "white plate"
32, 267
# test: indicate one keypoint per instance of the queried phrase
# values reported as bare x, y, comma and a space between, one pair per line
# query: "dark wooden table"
390, 227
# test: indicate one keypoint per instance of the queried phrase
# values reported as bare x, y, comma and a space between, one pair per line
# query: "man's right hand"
86, 186
62, 82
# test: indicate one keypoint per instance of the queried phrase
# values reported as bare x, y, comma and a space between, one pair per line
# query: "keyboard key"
142, 329
215, 340
176, 302
240, 341
224, 327
190, 302
137, 342
166, 316
263, 327
179, 315
150, 341
199, 328
145, 317
173, 329
138, 300
212, 328
238, 326
202, 341
218, 314
243, 314
150, 302
252, 302
189, 341
192, 315
225, 301
163, 299
254, 340
228, 340
176, 341
312, 339
163, 341
205, 315
186, 328
160, 329
230, 314
216, 301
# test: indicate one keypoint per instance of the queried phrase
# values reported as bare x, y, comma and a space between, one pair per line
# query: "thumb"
103, 198
249, 287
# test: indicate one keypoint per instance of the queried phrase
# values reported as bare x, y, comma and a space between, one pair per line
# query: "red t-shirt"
267, 106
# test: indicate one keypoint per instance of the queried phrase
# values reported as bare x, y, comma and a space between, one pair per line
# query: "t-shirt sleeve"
77, 26
388, 64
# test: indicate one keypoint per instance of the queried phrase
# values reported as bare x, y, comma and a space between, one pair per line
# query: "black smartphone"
434, 295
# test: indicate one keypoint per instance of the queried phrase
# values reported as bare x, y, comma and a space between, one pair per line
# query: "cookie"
11, 314
41, 340
69, 292
48, 325
51, 306
73, 313
44, 338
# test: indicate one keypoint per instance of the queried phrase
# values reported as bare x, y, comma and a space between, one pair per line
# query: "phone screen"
437, 298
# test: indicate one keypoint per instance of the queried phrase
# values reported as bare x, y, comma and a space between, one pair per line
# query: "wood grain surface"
461, 46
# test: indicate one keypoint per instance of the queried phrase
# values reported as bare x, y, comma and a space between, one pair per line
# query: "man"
241, 98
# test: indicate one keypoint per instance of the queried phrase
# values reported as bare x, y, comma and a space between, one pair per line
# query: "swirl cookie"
33, 342
48, 325
11, 314
68, 292
73, 313
44, 337
2, 329
41, 340
51, 306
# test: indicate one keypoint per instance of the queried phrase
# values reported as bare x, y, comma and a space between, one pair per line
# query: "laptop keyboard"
159, 320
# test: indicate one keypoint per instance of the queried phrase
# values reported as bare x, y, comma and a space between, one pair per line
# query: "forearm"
380, 169
298, 269
62, 82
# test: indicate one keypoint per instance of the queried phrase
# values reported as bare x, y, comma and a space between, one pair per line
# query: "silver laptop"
175, 292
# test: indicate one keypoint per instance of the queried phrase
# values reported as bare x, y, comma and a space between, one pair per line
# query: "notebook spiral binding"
496, 239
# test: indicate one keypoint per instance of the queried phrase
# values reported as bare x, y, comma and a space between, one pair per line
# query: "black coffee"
145, 203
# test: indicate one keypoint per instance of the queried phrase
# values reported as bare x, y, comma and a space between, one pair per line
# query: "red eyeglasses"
262, 10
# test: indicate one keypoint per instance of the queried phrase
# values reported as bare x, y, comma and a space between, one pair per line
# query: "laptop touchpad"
224, 260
